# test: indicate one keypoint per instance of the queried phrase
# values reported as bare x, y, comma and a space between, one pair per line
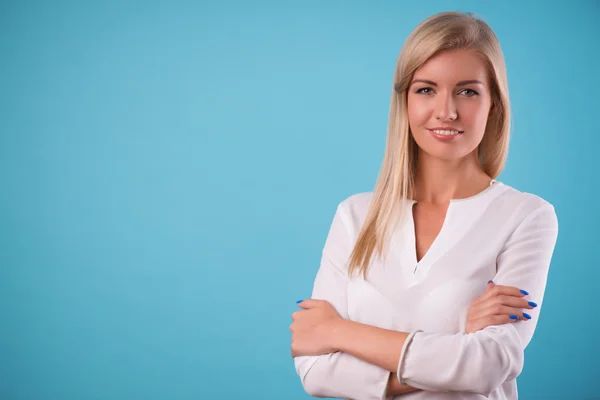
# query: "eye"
469, 92
424, 90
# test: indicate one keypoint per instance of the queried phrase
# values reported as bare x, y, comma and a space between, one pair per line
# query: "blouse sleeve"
482, 361
338, 374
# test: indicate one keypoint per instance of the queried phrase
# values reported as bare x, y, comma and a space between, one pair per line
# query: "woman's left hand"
313, 328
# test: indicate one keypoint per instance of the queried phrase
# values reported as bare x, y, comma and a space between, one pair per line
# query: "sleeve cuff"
407, 342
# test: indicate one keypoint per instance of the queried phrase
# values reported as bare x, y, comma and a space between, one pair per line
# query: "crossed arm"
360, 361
375, 346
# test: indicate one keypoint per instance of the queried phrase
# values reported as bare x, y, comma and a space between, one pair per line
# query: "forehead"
452, 66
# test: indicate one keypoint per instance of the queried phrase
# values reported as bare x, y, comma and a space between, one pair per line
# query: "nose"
445, 108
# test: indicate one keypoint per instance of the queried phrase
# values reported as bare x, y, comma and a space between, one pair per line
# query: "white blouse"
500, 234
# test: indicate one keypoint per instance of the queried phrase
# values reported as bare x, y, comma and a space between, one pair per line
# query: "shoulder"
353, 209
525, 206
357, 202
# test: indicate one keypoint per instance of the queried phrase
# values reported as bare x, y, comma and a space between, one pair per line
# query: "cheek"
418, 112
475, 115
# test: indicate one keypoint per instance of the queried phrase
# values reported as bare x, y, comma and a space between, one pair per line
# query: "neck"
438, 181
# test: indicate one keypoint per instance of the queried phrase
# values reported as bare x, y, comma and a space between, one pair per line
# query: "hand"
498, 305
313, 328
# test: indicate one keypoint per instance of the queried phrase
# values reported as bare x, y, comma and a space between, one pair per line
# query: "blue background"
169, 171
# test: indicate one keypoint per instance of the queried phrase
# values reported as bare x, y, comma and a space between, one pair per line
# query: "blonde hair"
396, 181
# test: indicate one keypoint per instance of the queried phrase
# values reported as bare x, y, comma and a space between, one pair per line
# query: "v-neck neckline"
434, 244
419, 268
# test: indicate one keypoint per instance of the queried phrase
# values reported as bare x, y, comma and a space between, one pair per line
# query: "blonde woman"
430, 286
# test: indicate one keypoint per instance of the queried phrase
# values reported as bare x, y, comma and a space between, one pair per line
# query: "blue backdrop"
169, 171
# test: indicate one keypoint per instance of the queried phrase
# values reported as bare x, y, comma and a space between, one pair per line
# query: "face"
449, 102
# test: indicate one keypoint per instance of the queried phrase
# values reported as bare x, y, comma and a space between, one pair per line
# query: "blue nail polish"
299, 301
532, 304
490, 281
513, 317
527, 315
524, 292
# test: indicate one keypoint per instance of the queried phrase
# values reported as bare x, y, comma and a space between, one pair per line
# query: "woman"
400, 304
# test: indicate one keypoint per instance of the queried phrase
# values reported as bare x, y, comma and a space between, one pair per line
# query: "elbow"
314, 387
503, 363
313, 384
340, 375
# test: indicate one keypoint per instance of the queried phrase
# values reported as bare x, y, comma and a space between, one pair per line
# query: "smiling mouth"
445, 135
446, 132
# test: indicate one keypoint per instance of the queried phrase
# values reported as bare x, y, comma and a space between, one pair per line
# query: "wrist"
339, 327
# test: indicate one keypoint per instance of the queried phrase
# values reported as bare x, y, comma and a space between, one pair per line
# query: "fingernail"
524, 292
527, 315
513, 317
490, 281
299, 301
532, 304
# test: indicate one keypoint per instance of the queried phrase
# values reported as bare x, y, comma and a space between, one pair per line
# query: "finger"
499, 290
502, 310
510, 301
308, 303
295, 315
493, 320
500, 305
300, 315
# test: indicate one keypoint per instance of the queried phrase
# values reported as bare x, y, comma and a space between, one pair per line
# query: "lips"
445, 130
445, 135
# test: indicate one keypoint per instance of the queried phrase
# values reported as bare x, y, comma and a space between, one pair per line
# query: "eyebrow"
461, 83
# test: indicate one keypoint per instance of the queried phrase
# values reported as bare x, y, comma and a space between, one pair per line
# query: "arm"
377, 346
477, 362
394, 387
339, 374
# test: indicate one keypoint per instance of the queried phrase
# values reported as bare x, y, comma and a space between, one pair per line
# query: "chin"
445, 156
447, 152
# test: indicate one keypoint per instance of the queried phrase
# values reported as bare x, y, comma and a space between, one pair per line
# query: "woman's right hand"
497, 306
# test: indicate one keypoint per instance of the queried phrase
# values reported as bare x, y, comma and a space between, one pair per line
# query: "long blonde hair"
396, 181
